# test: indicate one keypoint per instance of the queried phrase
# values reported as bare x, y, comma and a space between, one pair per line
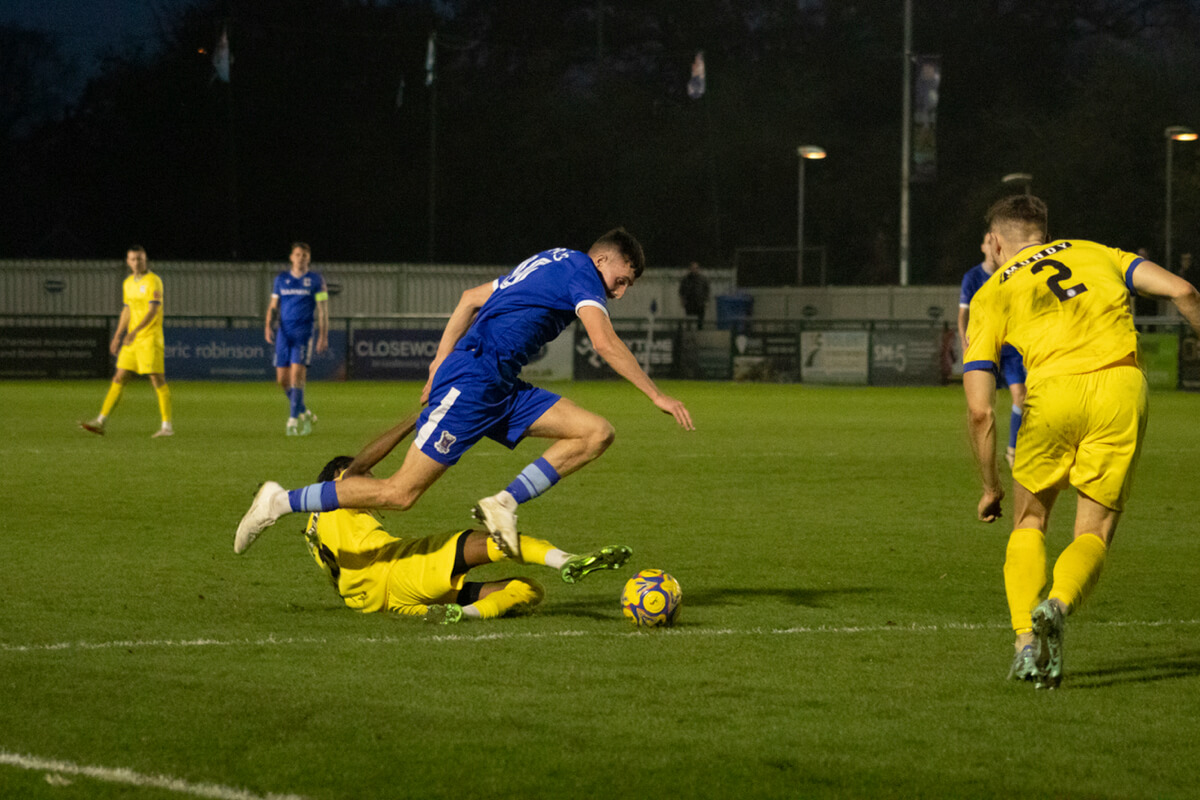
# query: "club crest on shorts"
445, 442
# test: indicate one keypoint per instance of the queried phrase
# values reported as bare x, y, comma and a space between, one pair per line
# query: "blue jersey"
532, 305
975, 278
297, 301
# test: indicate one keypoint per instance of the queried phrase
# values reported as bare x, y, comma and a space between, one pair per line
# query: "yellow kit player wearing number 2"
138, 342
1065, 306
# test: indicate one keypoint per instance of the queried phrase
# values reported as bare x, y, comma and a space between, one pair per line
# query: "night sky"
86, 28
549, 128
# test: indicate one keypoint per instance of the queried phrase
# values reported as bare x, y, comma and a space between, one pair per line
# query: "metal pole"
1167, 224
906, 144
433, 83
800, 221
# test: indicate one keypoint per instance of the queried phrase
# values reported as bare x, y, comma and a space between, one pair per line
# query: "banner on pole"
928, 77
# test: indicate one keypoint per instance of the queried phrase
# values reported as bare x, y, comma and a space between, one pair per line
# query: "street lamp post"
1174, 133
805, 152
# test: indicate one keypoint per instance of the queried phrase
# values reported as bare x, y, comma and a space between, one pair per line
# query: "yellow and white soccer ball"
652, 599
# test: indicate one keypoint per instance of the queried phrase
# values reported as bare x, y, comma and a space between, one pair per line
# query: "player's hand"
669, 405
114, 346
322, 345
129, 337
269, 335
989, 505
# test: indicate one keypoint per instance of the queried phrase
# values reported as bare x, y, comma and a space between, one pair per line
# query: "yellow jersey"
356, 553
1065, 306
138, 293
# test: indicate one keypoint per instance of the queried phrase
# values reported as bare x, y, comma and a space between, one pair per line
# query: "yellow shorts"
420, 574
144, 356
1085, 430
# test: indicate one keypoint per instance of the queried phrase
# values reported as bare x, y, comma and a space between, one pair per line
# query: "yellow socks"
1077, 570
539, 551
164, 402
111, 399
518, 592
1025, 575
533, 551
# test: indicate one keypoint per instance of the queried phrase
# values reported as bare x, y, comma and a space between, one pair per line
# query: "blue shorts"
294, 349
471, 399
1012, 367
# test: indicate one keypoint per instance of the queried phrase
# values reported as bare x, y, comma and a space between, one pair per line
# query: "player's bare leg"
399, 492
580, 437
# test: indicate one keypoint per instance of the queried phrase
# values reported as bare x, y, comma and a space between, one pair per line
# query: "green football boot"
1024, 665
611, 557
445, 615
1048, 624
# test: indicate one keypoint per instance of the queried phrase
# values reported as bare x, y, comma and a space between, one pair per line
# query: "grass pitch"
844, 630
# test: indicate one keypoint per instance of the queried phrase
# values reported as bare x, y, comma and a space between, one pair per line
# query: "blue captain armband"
971, 366
1129, 276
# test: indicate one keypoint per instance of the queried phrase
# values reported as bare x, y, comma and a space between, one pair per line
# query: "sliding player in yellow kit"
1065, 305
138, 342
373, 570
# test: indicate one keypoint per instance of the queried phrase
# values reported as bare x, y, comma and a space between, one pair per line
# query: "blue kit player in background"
299, 298
474, 391
1012, 368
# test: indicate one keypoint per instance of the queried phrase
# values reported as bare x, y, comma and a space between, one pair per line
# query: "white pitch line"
488, 636
128, 777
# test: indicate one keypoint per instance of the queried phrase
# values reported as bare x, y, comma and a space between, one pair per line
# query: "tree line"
538, 129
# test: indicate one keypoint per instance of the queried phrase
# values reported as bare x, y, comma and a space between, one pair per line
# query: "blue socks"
296, 395
533, 481
1014, 425
317, 497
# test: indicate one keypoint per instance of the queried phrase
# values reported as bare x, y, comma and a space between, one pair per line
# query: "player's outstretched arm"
980, 387
459, 323
1151, 279
378, 449
609, 346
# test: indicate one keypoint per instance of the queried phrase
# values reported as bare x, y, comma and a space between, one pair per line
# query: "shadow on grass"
1144, 670
809, 598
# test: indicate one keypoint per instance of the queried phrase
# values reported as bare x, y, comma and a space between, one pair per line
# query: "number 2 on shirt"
1055, 282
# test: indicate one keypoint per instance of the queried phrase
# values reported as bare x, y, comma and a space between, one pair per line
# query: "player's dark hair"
1024, 211
136, 248
303, 246
627, 246
334, 468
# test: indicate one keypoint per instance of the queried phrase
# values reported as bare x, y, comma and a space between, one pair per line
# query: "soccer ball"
651, 599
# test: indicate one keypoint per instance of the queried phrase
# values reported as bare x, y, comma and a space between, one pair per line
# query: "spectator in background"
693, 293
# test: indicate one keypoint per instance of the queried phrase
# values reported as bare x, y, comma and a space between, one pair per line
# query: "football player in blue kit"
1011, 366
298, 297
474, 391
